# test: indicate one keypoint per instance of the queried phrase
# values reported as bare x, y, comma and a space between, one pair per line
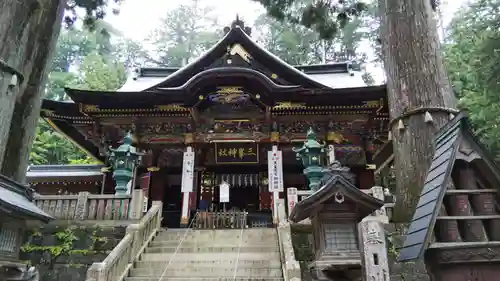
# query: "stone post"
82, 206
133, 230
96, 272
373, 242
292, 198
137, 204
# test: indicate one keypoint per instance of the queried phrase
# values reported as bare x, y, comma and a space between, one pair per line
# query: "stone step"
274, 263
214, 249
256, 233
203, 279
206, 271
215, 257
223, 240
200, 243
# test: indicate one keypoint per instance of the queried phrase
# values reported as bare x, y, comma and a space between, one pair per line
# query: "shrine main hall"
231, 116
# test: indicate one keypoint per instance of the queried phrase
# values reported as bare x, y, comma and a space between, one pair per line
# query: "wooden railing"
117, 264
221, 220
86, 206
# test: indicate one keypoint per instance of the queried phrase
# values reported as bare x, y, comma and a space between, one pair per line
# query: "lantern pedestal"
122, 178
314, 175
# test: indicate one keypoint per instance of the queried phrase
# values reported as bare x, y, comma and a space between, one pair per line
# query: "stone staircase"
209, 255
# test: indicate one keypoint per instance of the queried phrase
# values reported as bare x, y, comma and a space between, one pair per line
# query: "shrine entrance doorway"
246, 185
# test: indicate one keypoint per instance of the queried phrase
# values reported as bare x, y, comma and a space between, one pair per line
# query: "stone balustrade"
291, 267
86, 206
117, 264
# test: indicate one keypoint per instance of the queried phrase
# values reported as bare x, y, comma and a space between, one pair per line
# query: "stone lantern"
312, 154
124, 159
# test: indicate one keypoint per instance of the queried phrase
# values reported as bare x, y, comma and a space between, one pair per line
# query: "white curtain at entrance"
238, 180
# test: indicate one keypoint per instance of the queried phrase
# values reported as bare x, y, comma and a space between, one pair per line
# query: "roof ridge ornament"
240, 24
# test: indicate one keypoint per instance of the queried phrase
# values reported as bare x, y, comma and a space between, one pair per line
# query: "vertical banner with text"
275, 170
188, 170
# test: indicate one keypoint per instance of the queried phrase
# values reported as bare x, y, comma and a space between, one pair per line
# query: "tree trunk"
14, 20
43, 29
416, 79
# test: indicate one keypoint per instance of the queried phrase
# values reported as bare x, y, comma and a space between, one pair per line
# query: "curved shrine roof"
335, 183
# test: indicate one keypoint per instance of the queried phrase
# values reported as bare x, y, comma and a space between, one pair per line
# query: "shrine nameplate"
237, 153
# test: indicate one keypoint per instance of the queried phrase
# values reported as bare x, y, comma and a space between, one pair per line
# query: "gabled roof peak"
238, 23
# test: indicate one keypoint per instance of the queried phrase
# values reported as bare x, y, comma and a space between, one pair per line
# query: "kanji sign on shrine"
237, 153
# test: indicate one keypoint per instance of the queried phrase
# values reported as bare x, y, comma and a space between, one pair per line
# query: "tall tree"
185, 33
472, 59
28, 32
79, 63
297, 44
410, 45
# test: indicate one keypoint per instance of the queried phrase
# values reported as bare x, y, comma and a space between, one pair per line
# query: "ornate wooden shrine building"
229, 109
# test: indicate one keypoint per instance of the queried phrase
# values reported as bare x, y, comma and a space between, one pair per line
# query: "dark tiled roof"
16, 199
447, 142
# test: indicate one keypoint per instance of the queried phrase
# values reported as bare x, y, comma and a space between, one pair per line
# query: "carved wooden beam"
268, 114
195, 114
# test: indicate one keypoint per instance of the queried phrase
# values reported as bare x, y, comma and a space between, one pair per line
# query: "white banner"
188, 171
224, 192
275, 170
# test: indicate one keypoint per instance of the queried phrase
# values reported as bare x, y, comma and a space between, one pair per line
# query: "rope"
178, 247
239, 248
7, 68
423, 110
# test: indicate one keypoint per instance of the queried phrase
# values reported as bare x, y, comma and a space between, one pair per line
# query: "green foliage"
94, 10
185, 33
298, 45
100, 65
100, 74
65, 244
473, 61
66, 238
325, 17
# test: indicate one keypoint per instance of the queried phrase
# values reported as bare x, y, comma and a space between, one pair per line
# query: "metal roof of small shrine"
333, 183
17, 201
447, 143
64, 171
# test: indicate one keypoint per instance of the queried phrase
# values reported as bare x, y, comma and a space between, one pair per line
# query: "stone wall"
65, 252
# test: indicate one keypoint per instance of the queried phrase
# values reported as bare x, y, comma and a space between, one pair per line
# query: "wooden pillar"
157, 184
483, 203
473, 230
109, 183
366, 179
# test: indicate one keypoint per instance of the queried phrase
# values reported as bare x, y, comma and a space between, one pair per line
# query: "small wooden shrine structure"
456, 225
16, 209
335, 211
